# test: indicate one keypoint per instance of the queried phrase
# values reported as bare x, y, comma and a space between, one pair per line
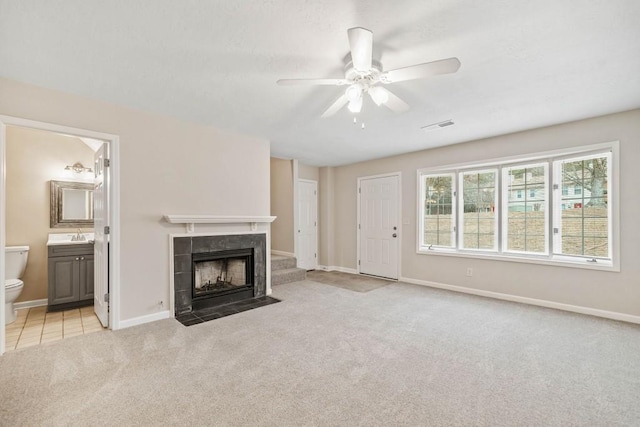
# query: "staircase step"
287, 275
279, 262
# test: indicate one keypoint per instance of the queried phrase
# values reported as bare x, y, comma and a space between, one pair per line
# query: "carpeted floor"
400, 355
352, 282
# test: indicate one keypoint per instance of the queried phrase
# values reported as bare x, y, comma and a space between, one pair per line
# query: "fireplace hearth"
210, 271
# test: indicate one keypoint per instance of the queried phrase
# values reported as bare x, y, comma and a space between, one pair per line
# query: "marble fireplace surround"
185, 247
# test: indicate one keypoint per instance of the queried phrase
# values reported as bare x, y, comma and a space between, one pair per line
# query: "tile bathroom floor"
35, 326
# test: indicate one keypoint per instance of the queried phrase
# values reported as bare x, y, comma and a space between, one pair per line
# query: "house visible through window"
550, 209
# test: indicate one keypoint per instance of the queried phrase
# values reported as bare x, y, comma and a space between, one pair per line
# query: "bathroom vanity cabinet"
70, 276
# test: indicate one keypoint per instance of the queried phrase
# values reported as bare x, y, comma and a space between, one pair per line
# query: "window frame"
552, 201
454, 217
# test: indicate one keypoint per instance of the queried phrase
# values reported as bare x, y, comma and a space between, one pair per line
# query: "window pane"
478, 209
438, 210
584, 223
525, 213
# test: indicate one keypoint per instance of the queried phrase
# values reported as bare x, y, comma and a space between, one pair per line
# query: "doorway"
107, 248
307, 219
379, 208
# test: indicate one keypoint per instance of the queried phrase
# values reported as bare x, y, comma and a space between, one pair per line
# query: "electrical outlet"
469, 271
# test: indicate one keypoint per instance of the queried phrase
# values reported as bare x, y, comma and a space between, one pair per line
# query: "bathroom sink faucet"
78, 237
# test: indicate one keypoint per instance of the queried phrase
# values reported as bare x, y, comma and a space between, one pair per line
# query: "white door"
379, 227
307, 233
101, 245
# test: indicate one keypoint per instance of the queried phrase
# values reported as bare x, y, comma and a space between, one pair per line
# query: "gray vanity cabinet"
70, 276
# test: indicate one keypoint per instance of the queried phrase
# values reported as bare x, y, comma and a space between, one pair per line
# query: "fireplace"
214, 270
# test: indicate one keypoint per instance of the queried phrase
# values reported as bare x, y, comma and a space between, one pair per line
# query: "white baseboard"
526, 300
144, 319
30, 304
337, 268
283, 253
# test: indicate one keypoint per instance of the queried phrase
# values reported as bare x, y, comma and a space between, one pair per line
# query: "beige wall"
282, 200
308, 172
167, 166
326, 217
618, 292
282, 204
33, 158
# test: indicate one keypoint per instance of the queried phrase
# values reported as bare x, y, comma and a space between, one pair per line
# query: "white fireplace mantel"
191, 220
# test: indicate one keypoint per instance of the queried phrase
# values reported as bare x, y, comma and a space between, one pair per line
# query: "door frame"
400, 220
297, 222
114, 209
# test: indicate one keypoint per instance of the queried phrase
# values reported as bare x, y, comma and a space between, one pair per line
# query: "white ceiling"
525, 64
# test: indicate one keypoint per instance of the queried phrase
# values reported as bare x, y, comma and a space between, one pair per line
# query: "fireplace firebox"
222, 273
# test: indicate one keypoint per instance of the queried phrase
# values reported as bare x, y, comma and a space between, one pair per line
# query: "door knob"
395, 228
77, 259
394, 235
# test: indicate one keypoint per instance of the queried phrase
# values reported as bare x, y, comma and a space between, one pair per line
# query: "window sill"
558, 262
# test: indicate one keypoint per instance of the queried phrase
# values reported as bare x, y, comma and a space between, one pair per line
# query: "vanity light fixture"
78, 167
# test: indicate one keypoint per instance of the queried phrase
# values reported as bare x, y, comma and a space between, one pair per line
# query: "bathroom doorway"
94, 269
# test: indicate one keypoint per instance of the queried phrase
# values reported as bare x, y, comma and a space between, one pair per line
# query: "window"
582, 228
478, 224
439, 212
525, 225
548, 209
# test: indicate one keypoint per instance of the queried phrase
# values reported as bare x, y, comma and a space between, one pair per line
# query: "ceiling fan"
365, 75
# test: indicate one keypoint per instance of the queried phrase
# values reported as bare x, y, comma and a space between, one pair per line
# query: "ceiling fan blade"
361, 44
329, 82
394, 103
340, 102
443, 66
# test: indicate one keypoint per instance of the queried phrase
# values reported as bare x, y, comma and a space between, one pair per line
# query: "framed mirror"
71, 205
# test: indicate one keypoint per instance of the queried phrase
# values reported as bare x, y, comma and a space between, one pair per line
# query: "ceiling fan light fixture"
354, 92
356, 105
379, 95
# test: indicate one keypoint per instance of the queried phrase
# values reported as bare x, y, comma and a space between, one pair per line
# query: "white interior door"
101, 245
307, 233
379, 228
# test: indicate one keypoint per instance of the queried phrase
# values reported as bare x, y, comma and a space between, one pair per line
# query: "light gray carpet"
402, 355
352, 282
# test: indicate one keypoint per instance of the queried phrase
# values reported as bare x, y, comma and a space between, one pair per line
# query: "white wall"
617, 292
167, 166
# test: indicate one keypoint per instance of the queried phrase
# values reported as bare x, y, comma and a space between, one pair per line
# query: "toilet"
15, 264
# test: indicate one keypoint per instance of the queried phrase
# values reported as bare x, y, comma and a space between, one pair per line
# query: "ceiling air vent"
438, 125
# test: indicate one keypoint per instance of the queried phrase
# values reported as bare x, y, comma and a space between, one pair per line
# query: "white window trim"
613, 188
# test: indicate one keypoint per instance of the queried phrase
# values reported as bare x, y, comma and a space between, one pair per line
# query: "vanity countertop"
66, 239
